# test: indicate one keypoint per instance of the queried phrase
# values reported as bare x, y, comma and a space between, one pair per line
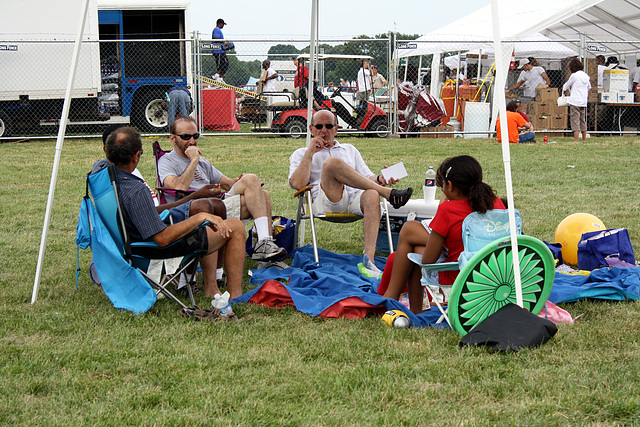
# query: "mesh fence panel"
127, 81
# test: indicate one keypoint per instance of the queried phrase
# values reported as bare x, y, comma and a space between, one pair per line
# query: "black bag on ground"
510, 329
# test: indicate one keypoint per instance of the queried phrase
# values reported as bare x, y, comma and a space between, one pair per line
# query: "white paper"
396, 171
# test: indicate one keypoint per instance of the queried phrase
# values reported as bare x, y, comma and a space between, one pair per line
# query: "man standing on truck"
222, 62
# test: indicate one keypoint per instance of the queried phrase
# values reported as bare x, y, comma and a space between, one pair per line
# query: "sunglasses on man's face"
186, 136
328, 126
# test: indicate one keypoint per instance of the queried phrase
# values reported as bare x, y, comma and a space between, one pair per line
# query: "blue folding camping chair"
486, 280
103, 187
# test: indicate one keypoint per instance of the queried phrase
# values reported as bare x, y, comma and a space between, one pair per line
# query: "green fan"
486, 283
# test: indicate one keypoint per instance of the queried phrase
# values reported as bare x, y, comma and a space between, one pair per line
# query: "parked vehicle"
290, 117
121, 77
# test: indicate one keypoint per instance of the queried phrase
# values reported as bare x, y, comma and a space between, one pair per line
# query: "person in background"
601, 67
363, 84
378, 79
578, 86
222, 62
531, 77
613, 64
268, 77
302, 74
516, 123
179, 102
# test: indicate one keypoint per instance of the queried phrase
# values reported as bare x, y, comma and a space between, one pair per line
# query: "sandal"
199, 314
399, 198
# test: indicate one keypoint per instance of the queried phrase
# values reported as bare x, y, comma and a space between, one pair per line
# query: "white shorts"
232, 203
322, 204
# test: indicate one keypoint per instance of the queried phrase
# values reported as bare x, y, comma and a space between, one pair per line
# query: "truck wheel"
295, 128
379, 125
5, 124
148, 114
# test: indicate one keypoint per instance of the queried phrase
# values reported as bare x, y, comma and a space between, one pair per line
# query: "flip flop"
399, 198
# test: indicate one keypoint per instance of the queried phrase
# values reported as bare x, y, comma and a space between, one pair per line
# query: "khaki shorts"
578, 118
322, 204
233, 204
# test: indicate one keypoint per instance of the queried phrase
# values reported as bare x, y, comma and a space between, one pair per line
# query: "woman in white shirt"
578, 85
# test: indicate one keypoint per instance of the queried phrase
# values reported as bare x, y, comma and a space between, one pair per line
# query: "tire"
5, 124
295, 128
148, 114
379, 125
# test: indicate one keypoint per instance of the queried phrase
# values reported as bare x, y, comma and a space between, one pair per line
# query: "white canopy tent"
614, 24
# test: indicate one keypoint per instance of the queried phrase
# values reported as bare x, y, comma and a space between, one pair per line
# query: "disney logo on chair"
495, 226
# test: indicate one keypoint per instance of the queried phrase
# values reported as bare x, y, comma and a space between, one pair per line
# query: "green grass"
71, 359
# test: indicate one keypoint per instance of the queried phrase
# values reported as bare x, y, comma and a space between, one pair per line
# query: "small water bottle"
429, 185
221, 302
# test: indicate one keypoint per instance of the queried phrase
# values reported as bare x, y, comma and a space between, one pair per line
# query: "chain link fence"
127, 81
459, 86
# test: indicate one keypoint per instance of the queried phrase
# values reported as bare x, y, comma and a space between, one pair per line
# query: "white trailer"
121, 81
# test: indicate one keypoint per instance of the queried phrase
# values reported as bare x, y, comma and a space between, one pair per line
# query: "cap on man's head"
220, 21
524, 62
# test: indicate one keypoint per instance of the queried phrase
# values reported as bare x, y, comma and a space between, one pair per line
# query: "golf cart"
289, 118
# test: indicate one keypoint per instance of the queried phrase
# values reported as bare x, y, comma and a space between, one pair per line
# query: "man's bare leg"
233, 258
370, 206
336, 174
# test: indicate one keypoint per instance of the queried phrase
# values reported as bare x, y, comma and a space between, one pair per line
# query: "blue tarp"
614, 284
314, 288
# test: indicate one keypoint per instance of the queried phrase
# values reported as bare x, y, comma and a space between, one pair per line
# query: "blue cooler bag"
594, 247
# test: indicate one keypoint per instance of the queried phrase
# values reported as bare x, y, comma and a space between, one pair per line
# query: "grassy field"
71, 359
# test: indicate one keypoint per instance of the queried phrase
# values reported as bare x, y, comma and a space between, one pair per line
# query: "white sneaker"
267, 250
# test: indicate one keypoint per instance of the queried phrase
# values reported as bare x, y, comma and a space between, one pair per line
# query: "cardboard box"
545, 109
616, 80
626, 97
442, 132
559, 122
608, 97
543, 122
547, 94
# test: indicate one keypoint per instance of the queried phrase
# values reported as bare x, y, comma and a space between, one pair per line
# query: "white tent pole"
56, 162
312, 64
479, 66
506, 155
420, 69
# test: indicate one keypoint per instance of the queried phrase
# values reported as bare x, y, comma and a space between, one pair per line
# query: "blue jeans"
526, 137
179, 102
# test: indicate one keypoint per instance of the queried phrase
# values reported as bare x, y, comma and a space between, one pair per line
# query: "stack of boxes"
616, 87
544, 112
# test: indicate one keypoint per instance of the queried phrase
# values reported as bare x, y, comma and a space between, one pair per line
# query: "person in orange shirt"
515, 123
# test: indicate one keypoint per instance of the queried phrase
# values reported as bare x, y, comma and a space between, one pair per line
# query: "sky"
338, 19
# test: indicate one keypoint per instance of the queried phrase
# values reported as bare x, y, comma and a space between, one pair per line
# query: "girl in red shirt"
463, 193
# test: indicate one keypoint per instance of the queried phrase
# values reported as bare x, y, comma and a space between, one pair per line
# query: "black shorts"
222, 62
192, 242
